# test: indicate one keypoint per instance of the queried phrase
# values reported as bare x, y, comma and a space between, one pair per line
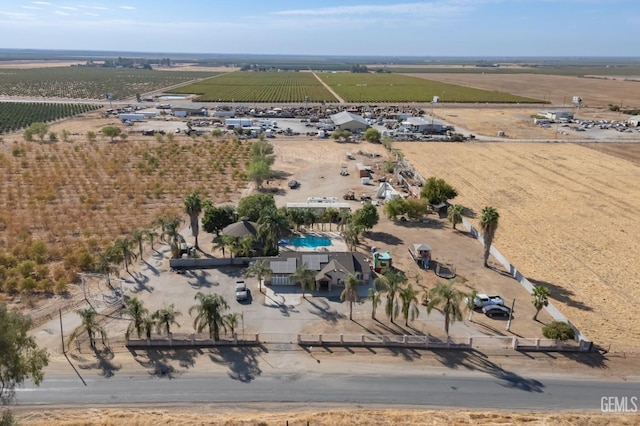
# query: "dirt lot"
568, 220
559, 90
213, 414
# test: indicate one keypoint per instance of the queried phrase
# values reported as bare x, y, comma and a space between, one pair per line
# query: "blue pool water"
310, 242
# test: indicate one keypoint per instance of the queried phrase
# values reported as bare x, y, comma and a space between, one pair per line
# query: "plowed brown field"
559, 90
568, 220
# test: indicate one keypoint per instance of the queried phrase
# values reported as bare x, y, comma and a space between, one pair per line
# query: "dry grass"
568, 220
210, 415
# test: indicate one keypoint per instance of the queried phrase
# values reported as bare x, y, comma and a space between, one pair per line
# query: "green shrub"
558, 330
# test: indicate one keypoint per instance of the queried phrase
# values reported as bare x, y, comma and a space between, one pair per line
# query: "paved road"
508, 391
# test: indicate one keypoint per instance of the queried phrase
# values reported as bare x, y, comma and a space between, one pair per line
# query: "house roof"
287, 262
346, 117
334, 267
240, 229
422, 247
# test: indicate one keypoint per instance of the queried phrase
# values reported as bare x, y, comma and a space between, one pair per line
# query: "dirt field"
212, 414
568, 220
559, 90
36, 64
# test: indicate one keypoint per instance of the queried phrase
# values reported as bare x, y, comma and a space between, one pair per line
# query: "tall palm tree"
193, 207
409, 298
488, 224
138, 238
165, 318
470, 304
391, 280
104, 265
350, 292
124, 246
272, 225
231, 320
91, 325
136, 310
343, 219
147, 324
351, 234
448, 298
209, 314
305, 277
150, 236
259, 269
454, 214
540, 299
375, 298
171, 233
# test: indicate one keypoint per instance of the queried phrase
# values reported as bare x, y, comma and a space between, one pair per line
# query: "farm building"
558, 115
187, 111
330, 268
420, 125
347, 121
387, 192
634, 120
131, 117
232, 123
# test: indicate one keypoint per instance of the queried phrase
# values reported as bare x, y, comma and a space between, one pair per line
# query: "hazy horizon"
433, 28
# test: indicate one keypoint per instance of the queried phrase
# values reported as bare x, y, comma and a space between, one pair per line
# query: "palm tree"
138, 238
488, 224
209, 314
91, 326
147, 324
448, 298
172, 234
391, 281
375, 298
104, 265
454, 214
136, 310
470, 303
193, 207
350, 292
272, 225
304, 276
540, 299
259, 269
150, 236
351, 234
409, 298
123, 246
166, 317
231, 320
343, 218
246, 246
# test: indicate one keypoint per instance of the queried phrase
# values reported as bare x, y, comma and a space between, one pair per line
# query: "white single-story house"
634, 120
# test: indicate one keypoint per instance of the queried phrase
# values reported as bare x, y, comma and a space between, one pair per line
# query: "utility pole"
511, 315
64, 351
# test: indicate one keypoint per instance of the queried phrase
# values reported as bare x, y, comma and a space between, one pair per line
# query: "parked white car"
241, 291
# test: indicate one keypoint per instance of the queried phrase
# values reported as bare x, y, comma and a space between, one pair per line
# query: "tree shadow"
324, 311
384, 237
469, 212
200, 279
423, 224
562, 294
242, 362
141, 281
284, 309
159, 362
476, 361
152, 268
103, 362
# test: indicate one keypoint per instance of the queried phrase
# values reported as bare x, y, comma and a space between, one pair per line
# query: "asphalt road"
508, 391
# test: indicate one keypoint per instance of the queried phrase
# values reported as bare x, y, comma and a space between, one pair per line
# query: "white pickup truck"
241, 291
483, 300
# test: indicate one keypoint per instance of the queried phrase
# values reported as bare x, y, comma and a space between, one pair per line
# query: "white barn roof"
346, 117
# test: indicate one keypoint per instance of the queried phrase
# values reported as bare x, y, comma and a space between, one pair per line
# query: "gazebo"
421, 253
241, 229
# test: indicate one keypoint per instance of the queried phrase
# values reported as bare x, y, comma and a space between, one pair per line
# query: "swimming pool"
310, 242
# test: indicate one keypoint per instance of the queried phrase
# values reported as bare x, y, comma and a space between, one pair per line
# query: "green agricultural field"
17, 115
89, 83
259, 87
401, 88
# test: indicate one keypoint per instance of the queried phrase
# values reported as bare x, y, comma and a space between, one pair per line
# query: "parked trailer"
232, 123
131, 117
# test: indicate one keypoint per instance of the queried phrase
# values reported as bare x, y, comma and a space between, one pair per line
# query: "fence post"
342, 339
193, 339
514, 343
362, 338
470, 342
320, 338
448, 342
538, 344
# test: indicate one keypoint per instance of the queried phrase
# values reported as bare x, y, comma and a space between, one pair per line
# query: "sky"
489, 28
